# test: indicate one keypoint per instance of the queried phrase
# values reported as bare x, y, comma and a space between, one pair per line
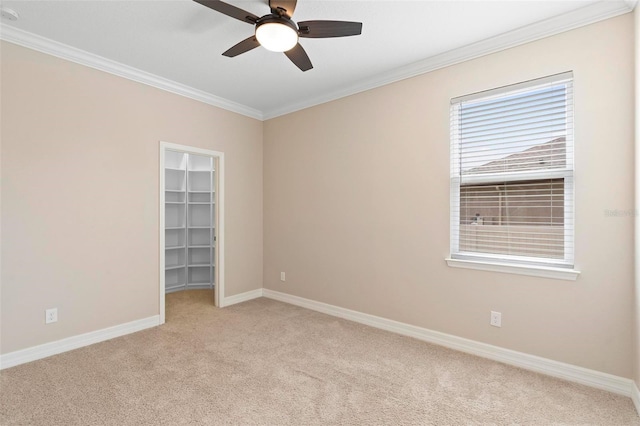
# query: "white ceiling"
179, 43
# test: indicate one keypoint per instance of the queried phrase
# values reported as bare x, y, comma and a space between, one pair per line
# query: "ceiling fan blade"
283, 7
299, 57
325, 29
229, 10
244, 46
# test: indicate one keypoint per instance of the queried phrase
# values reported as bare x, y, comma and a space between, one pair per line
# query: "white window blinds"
512, 173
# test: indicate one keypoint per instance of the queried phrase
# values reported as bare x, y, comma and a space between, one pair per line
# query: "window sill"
531, 270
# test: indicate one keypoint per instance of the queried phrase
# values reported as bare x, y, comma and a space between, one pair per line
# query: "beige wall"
80, 152
356, 205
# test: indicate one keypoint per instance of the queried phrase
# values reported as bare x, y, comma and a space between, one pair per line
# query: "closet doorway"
191, 221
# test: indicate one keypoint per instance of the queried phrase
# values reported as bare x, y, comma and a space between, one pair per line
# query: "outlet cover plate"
496, 319
51, 315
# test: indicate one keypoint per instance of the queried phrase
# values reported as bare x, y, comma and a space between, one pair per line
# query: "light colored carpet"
266, 362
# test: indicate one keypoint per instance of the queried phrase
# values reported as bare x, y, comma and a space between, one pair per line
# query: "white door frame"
218, 158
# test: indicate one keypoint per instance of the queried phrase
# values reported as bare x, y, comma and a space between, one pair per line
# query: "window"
512, 174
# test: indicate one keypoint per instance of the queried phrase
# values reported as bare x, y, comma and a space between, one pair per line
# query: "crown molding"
32, 41
568, 21
577, 18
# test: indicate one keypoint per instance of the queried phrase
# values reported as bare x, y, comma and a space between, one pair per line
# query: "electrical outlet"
496, 319
51, 315
282, 276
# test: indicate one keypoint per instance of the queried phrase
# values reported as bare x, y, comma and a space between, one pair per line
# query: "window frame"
524, 265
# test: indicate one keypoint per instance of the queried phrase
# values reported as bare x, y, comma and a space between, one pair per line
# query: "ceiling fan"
278, 33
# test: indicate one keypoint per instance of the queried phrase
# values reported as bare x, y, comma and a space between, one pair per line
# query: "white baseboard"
572, 373
242, 297
22, 356
53, 348
635, 396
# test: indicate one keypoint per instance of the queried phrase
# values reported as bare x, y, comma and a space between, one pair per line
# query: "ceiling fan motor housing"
276, 19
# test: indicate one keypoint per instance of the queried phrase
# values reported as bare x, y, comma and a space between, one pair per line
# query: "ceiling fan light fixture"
277, 35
